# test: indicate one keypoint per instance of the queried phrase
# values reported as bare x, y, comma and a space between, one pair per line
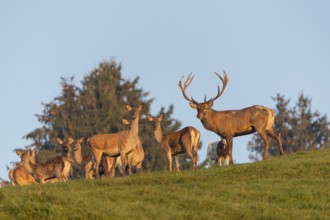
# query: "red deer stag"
121, 143
178, 142
232, 123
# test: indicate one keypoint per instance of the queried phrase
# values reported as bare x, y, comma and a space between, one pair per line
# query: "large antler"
224, 84
186, 84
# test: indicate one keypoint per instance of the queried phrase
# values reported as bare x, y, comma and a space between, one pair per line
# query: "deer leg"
194, 160
220, 161
106, 166
96, 164
264, 136
59, 177
113, 167
230, 149
191, 149
169, 160
88, 170
129, 156
123, 163
277, 136
192, 154
177, 165
138, 167
226, 160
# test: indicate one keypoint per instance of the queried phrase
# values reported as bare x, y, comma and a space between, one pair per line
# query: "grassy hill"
296, 186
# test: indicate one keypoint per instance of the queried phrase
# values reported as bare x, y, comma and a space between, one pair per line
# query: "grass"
296, 186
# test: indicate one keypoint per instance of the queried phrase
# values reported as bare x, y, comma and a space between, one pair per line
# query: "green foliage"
98, 107
300, 128
295, 186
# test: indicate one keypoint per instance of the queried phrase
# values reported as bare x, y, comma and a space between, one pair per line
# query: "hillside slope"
295, 186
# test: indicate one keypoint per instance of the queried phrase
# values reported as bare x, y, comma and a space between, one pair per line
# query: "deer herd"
122, 152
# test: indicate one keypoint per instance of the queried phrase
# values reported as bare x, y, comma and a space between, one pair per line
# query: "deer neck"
159, 134
211, 120
134, 129
78, 156
66, 155
30, 167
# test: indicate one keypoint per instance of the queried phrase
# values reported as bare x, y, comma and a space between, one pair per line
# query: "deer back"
50, 167
109, 143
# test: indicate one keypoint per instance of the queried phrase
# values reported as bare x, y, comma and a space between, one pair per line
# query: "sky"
266, 47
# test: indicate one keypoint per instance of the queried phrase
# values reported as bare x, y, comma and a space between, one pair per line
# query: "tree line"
96, 107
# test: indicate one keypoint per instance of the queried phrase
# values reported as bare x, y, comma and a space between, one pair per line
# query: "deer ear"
59, 141
161, 117
70, 140
125, 122
81, 140
141, 106
210, 104
33, 153
18, 152
149, 117
128, 107
193, 105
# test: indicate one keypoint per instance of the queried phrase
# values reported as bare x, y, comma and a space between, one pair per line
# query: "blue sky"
266, 47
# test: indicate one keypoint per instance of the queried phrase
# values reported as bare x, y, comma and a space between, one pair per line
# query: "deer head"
202, 107
28, 156
66, 145
76, 144
155, 121
135, 112
22, 154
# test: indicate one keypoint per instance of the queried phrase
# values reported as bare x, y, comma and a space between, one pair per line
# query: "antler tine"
185, 86
224, 84
187, 82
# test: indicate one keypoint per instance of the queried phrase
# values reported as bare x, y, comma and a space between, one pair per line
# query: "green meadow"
294, 186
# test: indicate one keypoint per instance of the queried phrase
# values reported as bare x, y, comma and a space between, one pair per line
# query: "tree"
300, 128
98, 107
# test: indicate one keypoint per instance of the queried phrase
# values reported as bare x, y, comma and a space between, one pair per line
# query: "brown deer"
135, 158
173, 143
58, 167
116, 144
232, 123
66, 154
137, 155
19, 175
85, 161
218, 152
223, 152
